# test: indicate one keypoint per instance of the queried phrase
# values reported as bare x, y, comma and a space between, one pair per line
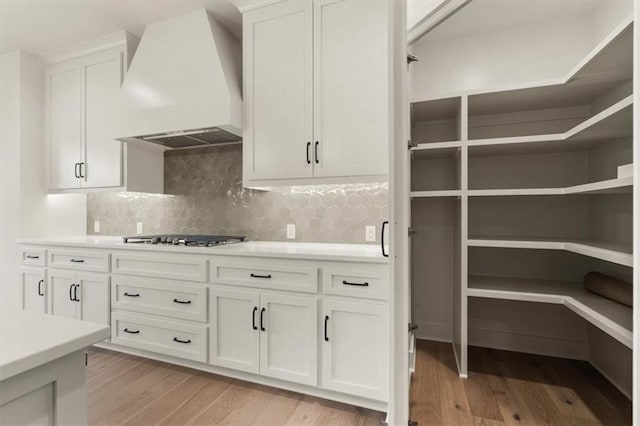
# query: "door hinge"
411, 58
412, 231
413, 326
413, 423
411, 144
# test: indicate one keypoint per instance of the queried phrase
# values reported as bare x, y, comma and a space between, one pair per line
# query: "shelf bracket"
413, 326
413, 423
411, 58
411, 144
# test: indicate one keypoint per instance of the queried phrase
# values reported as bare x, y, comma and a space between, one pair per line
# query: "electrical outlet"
291, 231
139, 228
370, 233
96, 226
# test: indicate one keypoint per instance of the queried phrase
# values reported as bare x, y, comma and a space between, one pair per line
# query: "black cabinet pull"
261, 276
75, 170
31, 256
131, 294
183, 302
308, 149
126, 330
75, 293
76, 260
384, 226
40, 292
262, 319
315, 151
71, 292
175, 339
326, 320
80, 168
345, 282
253, 318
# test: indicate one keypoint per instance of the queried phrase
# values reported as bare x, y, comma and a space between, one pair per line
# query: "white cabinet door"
62, 288
34, 289
64, 112
289, 338
278, 64
234, 341
93, 292
102, 155
351, 88
355, 348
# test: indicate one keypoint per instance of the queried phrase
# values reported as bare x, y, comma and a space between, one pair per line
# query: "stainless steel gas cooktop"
184, 240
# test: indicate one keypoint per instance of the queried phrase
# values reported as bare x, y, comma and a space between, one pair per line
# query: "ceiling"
492, 15
38, 26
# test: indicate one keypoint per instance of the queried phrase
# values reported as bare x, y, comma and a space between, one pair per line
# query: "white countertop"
311, 251
29, 339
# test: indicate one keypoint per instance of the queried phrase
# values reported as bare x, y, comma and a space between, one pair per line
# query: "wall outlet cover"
139, 228
291, 231
96, 226
370, 233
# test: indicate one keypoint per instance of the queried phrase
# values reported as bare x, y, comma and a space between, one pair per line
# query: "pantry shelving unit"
516, 194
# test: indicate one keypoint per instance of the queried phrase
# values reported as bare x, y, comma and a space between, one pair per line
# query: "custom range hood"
183, 88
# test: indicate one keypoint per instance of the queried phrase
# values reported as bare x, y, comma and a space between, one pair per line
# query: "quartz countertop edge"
370, 253
30, 339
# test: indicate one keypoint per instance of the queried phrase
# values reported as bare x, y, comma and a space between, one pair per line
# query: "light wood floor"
502, 388
511, 388
128, 390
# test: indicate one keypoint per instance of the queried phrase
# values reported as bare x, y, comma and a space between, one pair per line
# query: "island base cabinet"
79, 295
274, 335
34, 289
355, 348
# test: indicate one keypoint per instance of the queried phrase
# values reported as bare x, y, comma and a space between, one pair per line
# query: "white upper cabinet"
81, 92
278, 63
316, 93
351, 89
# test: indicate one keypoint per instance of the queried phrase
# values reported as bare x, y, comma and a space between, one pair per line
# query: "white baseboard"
625, 392
438, 332
508, 341
539, 345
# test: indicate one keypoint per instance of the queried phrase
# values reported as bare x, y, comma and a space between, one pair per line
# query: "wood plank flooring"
509, 388
503, 388
128, 390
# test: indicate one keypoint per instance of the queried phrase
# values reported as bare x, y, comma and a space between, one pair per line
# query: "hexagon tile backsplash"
204, 195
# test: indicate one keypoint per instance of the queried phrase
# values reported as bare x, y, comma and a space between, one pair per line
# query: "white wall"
533, 52
26, 211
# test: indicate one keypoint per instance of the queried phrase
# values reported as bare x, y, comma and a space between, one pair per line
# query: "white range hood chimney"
183, 87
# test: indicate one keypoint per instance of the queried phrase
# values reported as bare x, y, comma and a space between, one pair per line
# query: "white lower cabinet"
79, 295
270, 334
34, 289
174, 338
234, 333
355, 348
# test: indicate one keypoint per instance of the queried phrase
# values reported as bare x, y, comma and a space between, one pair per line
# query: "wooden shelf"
613, 318
611, 186
621, 254
612, 123
433, 194
437, 146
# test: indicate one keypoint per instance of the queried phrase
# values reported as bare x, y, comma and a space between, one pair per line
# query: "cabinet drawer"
370, 281
160, 265
176, 300
33, 256
82, 260
265, 273
188, 341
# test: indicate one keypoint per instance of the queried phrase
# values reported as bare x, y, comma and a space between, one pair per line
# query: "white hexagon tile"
204, 195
